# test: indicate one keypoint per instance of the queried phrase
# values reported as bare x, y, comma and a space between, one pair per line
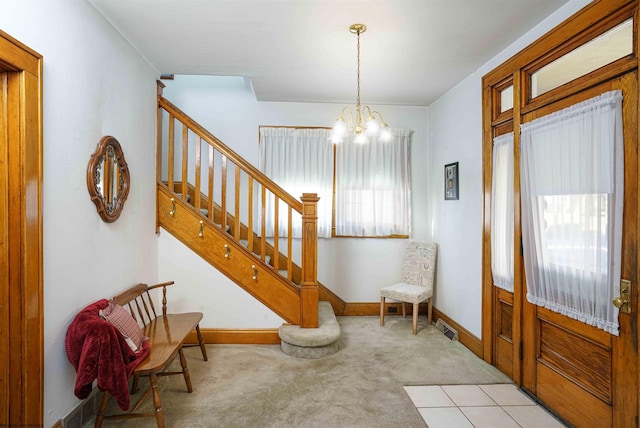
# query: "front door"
588, 376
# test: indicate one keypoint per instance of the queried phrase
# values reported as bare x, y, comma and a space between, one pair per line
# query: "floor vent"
446, 329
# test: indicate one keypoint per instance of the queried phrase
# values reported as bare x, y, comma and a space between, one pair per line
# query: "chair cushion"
407, 292
118, 316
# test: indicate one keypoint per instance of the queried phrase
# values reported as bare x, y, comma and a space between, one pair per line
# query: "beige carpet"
360, 386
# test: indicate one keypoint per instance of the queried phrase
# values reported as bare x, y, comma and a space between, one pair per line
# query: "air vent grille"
447, 330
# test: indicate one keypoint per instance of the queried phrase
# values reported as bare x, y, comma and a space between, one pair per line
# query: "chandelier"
373, 127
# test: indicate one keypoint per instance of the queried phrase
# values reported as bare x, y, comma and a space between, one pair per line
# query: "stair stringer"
228, 256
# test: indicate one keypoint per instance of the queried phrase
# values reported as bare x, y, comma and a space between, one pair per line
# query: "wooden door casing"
21, 278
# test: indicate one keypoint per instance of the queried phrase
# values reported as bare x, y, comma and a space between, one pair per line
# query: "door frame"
574, 31
21, 243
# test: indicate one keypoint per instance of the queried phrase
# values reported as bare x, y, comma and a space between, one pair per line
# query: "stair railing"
235, 196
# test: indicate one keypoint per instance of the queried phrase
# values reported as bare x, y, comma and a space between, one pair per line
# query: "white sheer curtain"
502, 212
373, 186
572, 171
300, 161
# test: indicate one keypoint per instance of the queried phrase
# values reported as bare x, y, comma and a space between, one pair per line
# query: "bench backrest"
139, 302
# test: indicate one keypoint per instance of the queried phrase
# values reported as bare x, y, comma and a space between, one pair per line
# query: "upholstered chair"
416, 282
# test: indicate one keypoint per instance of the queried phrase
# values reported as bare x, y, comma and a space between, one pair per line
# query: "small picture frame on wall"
451, 181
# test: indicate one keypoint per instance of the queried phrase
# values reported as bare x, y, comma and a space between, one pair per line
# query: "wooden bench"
166, 334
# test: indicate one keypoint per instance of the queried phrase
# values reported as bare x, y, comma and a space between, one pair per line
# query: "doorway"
583, 374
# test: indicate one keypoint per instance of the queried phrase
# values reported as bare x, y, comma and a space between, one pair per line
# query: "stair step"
312, 342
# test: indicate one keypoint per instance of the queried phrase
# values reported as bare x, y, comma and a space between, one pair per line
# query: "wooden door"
586, 375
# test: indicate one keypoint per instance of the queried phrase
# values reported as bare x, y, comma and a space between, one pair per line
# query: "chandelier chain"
358, 98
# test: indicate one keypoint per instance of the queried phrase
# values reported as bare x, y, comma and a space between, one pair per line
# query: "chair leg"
203, 349
415, 318
157, 404
185, 371
404, 311
382, 310
429, 310
102, 409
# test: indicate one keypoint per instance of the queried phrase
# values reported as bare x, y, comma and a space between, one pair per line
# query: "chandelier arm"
382, 122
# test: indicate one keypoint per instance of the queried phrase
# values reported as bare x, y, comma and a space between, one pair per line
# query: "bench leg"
415, 318
201, 342
102, 409
134, 385
153, 380
185, 371
382, 310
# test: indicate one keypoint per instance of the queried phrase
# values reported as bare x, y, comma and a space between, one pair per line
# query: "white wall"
456, 136
355, 269
95, 84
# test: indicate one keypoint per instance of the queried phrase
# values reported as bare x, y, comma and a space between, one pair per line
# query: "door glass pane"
610, 46
506, 99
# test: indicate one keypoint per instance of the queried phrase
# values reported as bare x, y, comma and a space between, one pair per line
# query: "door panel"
504, 332
571, 402
583, 361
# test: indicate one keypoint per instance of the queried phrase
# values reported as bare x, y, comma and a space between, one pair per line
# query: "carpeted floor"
360, 386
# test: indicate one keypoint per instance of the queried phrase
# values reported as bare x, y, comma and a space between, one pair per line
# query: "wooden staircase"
215, 202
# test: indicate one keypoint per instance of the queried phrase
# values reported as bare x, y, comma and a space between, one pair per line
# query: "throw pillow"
118, 316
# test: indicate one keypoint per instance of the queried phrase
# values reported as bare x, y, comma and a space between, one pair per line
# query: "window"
502, 212
372, 181
373, 191
609, 47
572, 174
506, 99
299, 160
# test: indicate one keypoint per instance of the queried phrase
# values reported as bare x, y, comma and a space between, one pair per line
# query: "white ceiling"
301, 50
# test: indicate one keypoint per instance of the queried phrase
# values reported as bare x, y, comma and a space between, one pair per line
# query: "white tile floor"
479, 406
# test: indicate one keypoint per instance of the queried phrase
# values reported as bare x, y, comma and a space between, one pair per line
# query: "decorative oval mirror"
108, 179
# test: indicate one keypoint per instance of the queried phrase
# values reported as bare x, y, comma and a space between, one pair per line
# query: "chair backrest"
419, 264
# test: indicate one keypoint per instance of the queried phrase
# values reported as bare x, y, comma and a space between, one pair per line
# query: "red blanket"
97, 350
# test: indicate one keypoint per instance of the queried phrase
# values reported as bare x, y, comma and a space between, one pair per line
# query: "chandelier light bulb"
360, 139
336, 139
385, 134
340, 128
372, 125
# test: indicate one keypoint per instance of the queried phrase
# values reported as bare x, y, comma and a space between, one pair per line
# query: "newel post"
160, 87
309, 284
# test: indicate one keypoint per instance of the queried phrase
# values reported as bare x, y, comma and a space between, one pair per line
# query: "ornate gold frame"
114, 173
